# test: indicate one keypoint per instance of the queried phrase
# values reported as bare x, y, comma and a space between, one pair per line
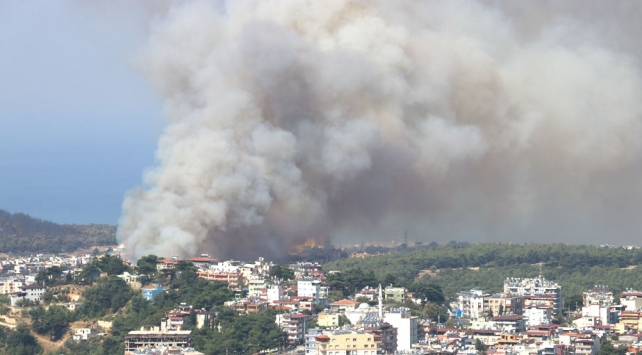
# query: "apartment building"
471, 303
348, 342
406, 325
295, 325
538, 286
309, 287
500, 304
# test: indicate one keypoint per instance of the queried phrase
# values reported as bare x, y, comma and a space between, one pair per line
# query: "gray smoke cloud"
360, 119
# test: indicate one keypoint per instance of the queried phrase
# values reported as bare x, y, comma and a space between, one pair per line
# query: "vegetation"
54, 321
22, 233
241, 334
458, 267
19, 341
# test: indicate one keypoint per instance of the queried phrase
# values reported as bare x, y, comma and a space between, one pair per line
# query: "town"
84, 300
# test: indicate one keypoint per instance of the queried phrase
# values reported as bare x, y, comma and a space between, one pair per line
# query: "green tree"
282, 272
22, 342
147, 266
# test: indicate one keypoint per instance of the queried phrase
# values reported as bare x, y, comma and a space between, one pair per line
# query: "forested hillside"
460, 267
24, 234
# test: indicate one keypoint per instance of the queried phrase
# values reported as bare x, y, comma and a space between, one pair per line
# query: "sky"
78, 123
535, 135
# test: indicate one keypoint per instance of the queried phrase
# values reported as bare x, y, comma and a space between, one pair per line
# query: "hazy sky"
78, 124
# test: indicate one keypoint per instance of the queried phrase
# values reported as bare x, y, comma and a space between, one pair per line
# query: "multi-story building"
155, 337
406, 325
500, 304
471, 303
397, 294
309, 287
344, 306
631, 299
275, 293
583, 343
33, 293
256, 286
535, 287
234, 280
510, 323
348, 342
600, 294
295, 325
328, 320
538, 315
167, 263
10, 285
386, 331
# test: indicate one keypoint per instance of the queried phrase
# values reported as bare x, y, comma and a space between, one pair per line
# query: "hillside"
460, 267
22, 233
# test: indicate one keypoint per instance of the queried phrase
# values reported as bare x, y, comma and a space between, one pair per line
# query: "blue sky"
78, 123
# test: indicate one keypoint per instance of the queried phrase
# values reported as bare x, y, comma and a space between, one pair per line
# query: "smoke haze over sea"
476, 121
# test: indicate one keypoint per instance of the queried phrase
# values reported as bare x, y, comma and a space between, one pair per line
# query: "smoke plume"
360, 120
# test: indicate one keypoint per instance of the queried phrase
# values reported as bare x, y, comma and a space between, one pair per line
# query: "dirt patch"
630, 267
49, 345
431, 273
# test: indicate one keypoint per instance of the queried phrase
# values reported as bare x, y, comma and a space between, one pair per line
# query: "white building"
600, 312
538, 315
535, 287
406, 325
631, 299
309, 287
363, 311
33, 293
275, 293
471, 303
84, 333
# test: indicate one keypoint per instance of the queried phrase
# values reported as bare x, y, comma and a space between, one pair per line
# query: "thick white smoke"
357, 119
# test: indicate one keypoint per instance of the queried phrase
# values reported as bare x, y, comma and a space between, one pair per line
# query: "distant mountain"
21, 233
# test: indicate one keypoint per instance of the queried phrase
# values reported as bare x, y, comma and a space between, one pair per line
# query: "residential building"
151, 293
309, 287
631, 299
153, 337
343, 306
310, 342
84, 333
510, 323
471, 303
386, 331
167, 263
538, 315
233, 279
10, 285
501, 304
296, 325
275, 293
328, 320
348, 342
397, 294
406, 325
600, 294
535, 287
360, 312
33, 293
584, 343
370, 293
256, 286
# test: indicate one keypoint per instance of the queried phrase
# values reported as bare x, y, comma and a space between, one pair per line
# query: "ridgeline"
461, 266
21, 233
